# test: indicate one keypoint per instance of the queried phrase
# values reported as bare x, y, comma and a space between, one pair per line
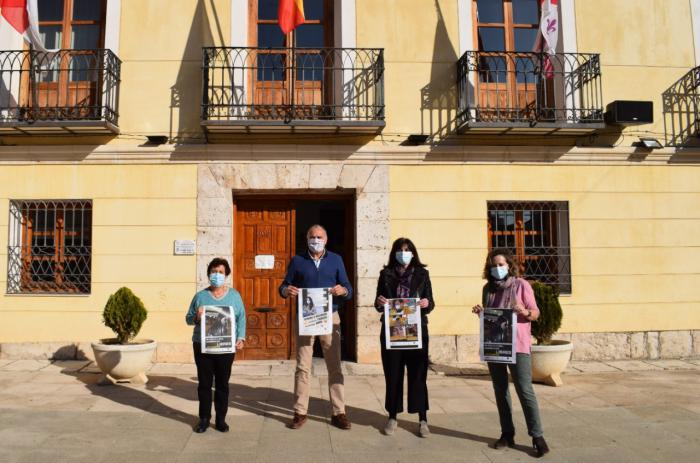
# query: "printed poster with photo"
402, 324
315, 311
218, 330
498, 335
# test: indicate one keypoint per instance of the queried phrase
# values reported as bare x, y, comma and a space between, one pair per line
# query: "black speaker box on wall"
624, 112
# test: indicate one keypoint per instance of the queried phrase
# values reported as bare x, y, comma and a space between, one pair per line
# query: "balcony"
529, 93
293, 90
681, 104
64, 92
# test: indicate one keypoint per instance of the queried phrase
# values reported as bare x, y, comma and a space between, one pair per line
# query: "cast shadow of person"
138, 397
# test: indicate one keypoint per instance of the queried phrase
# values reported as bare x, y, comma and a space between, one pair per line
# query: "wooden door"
264, 228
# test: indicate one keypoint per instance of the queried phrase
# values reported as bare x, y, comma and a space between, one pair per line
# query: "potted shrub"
549, 356
124, 358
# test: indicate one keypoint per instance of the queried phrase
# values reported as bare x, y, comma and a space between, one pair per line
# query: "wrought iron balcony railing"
326, 86
62, 88
681, 104
512, 89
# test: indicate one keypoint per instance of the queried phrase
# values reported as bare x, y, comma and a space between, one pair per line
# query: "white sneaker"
423, 429
390, 427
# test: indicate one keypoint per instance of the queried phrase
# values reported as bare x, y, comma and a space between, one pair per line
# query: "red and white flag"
548, 34
21, 18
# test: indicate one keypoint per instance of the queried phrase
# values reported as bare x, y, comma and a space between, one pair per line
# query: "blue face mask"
404, 257
499, 273
217, 279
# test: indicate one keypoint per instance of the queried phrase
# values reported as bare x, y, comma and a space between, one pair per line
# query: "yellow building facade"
430, 119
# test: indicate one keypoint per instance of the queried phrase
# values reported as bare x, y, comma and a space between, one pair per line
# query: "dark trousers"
415, 362
212, 369
521, 372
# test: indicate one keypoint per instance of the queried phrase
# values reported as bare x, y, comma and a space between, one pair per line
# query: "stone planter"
124, 363
548, 362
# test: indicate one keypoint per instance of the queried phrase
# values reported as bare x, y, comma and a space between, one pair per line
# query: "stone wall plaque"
184, 247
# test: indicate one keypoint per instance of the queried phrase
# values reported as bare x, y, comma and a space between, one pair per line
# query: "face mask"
499, 273
217, 279
316, 244
404, 257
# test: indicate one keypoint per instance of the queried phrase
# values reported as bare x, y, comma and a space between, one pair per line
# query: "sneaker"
298, 421
340, 421
506, 440
423, 429
539, 446
390, 427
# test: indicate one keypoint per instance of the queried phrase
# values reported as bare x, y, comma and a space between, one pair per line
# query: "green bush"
124, 314
548, 323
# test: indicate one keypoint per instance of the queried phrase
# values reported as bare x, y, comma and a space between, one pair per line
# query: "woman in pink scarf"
505, 289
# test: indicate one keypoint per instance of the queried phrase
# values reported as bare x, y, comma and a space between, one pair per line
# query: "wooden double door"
266, 235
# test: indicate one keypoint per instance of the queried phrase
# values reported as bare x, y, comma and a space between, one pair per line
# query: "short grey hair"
316, 226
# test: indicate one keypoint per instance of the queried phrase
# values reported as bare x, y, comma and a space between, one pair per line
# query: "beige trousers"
330, 343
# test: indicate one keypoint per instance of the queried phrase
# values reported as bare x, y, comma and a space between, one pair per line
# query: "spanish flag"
290, 14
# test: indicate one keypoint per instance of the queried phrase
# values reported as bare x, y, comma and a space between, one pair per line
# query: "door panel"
264, 227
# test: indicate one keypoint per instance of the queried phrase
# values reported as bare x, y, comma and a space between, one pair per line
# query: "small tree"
547, 298
124, 314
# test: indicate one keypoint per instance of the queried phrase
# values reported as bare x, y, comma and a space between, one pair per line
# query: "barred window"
537, 233
50, 247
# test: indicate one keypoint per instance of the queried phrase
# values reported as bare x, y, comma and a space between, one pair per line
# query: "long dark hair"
513, 267
398, 244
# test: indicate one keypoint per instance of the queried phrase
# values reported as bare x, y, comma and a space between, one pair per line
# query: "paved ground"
606, 412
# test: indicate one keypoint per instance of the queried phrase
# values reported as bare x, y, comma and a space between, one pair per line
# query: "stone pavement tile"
91, 368
283, 369
597, 454
632, 365
32, 388
60, 455
52, 402
358, 369
26, 365
522, 453
293, 456
138, 456
464, 405
213, 457
24, 438
131, 439
609, 416
593, 367
250, 370
664, 412
313, 436
4, 362
122, 404
48, 377
243, 443
571, 436
683, 430
664, 452
66, 366
674, 364
173, 369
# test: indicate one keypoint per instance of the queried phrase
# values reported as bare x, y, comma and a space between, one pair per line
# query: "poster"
218, 330
402, 324
315, 311
498, 335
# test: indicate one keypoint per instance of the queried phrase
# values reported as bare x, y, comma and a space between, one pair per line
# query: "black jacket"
421, 288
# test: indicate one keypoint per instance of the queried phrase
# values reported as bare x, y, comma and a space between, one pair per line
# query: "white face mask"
316, 244
404, 257
499, 273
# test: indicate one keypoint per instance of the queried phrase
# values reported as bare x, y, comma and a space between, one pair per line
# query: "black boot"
503, 441
221, 426
539, 446
202, 425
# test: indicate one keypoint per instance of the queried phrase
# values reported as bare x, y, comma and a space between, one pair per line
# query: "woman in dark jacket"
405, 276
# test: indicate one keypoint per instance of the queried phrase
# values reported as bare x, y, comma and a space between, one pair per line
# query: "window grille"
50, 247
537, 233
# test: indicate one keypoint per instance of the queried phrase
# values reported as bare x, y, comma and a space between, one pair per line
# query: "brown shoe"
340, 421
298, 421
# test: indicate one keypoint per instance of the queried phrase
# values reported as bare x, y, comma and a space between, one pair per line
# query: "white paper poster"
498, 335
402, 324
315, 311
218, 330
